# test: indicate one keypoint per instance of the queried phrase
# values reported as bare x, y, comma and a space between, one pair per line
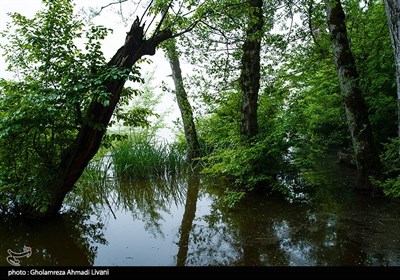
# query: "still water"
181, 221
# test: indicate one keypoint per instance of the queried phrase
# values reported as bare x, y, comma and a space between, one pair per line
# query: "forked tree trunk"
88, 140
189, 127
393, 15
250, 69
366, 154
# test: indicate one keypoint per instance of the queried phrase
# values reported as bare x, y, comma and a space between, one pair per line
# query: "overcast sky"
111, 44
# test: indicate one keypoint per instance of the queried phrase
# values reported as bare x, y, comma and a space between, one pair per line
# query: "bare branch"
179, 9
122, 14
151, 22
163, 17
290, 28
309, 11
145, 12
312, 29
108, 5
137, 7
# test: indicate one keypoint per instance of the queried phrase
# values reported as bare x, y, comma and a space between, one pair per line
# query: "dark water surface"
181, 222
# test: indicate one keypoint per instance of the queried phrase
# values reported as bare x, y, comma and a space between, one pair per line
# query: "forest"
274, 89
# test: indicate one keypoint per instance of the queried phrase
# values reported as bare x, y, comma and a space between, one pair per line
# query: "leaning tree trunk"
366, 154
393, 15
189, 127
250, 69
88, 140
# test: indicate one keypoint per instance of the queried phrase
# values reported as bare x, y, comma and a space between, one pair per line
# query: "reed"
141, 156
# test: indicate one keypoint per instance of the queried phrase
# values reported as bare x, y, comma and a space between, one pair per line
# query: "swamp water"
180, 221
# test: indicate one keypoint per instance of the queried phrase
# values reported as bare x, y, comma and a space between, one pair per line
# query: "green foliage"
315, 112
249, 165
391, 186
141, 156
216, 43
371, 46
135, 117
231, 197
315, 115
301, 114
391, 161
137, 106
300, 111
43, 108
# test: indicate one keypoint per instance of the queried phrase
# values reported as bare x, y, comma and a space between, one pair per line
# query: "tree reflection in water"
145, 200
193, 183
185, 224
335, 227
65, 241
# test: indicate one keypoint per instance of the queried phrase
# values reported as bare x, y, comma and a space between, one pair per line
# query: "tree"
193, 147
366, 154
63, 129
227, 45
393, 16
250, 68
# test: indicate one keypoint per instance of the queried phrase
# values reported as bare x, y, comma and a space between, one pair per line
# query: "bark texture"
185, 108
393, 16
250, 69
366, 154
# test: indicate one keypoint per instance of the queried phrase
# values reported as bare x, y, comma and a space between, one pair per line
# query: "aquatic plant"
141, 156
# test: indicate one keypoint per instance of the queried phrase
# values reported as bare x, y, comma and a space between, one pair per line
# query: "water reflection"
339, 227
188, 217
181, 221
66, 241
145, 200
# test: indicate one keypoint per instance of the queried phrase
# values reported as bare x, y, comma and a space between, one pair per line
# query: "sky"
111, 44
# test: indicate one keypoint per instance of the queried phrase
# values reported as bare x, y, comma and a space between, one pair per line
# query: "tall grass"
141, 156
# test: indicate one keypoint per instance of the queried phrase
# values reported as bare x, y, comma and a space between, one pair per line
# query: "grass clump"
141, 156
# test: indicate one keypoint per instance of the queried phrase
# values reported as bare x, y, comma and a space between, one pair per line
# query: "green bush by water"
390, 159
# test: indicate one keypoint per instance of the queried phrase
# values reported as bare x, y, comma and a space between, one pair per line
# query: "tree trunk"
250, 69
183, 103
366, 154
88, 140
393, 15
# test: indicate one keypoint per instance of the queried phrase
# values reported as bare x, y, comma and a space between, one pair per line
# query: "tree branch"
190, 28
108, 5
145, 11
164, 16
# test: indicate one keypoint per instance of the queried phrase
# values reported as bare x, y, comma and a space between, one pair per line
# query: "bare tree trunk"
366, 154
88, 140
393, 15
183, 103
250, 71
